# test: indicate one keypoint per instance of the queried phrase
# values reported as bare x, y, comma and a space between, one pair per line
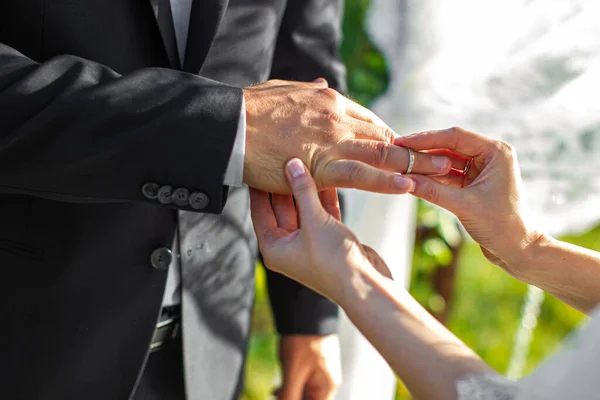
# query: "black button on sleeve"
165, 194
161, 258
150, 190
199, 200
181, 197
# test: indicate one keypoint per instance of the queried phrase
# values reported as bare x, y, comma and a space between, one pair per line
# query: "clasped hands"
342, 144
326, 141
332, 142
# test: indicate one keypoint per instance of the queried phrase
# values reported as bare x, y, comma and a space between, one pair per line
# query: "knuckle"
506, 149
381, 153
331, 117
354, 172
329, 93
457, 129
387, 134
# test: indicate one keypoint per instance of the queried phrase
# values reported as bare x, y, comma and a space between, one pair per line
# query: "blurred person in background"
127, 129
484, 190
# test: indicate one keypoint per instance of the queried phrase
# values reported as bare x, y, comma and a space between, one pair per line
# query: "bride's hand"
488, 200
306, 241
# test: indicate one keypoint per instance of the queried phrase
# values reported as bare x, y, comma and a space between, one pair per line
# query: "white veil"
526, 71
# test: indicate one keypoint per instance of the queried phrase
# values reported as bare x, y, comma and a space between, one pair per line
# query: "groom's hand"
311, 367
342, 143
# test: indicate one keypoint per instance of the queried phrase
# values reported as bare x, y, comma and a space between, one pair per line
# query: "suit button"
165, 194
198, 200
181, 197
161, 258
150, 190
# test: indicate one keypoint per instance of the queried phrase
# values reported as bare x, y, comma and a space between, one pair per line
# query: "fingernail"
295, 167
320, 80
404, 183
440, 162
398, 141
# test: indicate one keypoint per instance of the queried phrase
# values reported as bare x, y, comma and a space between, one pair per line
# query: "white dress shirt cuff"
234, 175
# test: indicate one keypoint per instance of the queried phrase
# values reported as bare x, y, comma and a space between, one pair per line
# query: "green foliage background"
487, 304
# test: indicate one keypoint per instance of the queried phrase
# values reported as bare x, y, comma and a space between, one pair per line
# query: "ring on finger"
467, 166
411, 160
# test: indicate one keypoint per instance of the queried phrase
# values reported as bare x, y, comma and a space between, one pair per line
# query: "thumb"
445, 196
304, 190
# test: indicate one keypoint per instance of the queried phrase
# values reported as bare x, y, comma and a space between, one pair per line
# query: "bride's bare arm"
566, 271
428, 357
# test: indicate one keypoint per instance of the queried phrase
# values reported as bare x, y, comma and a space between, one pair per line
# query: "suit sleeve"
74, 130
307, 48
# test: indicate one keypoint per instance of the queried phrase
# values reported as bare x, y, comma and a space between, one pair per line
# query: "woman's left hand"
309, 244
306, 241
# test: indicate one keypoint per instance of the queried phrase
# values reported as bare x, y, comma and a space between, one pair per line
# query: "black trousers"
162, 378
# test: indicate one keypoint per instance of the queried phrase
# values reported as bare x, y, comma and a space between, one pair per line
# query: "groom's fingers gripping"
263, 217
466, 143
331, 202
305, 192
285, 211
358, 175
393, 158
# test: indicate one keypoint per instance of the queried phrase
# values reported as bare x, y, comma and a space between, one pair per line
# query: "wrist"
526, 260
356, 284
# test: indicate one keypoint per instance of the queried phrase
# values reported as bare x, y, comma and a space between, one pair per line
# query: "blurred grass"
487, 305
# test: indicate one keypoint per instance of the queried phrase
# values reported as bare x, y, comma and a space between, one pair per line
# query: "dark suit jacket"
90, 111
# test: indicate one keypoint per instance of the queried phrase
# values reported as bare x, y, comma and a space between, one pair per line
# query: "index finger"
463, 142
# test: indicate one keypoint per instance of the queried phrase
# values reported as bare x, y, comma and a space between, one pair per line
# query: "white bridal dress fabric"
572, 373
526, 71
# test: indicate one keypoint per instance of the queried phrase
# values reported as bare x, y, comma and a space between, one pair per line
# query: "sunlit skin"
342, 143
320, 252
345, 145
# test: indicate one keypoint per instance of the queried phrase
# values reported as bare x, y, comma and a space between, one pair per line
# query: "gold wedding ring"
411, 160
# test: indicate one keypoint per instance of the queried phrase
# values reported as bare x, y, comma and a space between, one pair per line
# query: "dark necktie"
164, 17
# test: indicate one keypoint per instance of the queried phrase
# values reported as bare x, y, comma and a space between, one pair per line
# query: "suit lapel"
205, 19
164, 20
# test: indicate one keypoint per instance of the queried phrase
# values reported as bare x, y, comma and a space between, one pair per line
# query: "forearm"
75, 130
426, 356
566, 271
